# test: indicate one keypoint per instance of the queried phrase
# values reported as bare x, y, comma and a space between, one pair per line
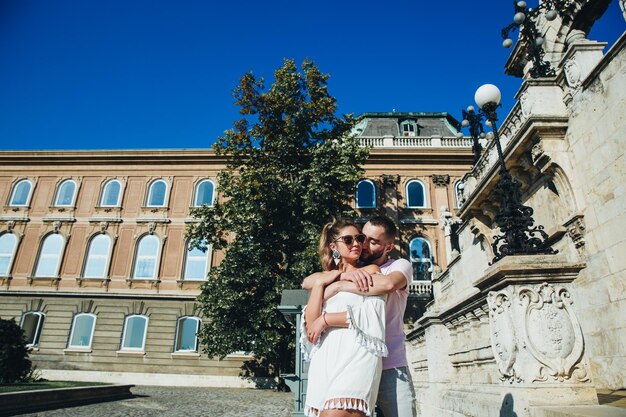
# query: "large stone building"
95, 267
539, 335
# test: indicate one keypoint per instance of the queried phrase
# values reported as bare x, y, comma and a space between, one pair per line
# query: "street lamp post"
519, 236
525, 19
474, 121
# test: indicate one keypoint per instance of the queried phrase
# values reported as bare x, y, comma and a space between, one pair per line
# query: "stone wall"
540, 330
597, 143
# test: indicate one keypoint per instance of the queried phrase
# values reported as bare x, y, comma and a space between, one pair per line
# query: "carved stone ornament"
576, 232
525, 104
151, 227
441, 180
552, 333
572, 73
104, 226
390, 179
503, 337
10, 225
56, 226
536, 151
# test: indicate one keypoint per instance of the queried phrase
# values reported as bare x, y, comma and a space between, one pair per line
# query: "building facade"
95, 267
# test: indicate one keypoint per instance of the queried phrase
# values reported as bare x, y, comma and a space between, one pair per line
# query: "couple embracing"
352, 328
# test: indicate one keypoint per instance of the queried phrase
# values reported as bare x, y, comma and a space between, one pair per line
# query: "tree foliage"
292, 167
14, 363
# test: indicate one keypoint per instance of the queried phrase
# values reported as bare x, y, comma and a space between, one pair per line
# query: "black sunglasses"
349, 240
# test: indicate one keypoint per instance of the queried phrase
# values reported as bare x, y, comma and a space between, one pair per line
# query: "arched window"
196, 264
111, 194
96, 265
204, 193
8, 245
50, 256
81, 334
31, 324
187, 329
420, 255
147, 258
156, 194
66, 194
21, 193
134, 336
415, 194
365, 194
458, 193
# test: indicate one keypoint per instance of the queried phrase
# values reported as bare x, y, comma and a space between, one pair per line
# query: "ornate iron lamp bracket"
519, 234
525, 20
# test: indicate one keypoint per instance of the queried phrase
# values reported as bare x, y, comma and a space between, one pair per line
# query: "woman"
343, 337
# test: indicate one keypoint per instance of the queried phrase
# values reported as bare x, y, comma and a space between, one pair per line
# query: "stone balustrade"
390, 141
421, 288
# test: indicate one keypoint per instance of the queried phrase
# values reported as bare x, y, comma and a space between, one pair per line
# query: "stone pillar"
580, 59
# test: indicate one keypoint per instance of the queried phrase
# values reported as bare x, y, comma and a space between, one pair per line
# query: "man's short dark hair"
386, 223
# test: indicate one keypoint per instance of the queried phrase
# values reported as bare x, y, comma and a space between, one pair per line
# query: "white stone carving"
525, 104
573, 73
503, 338
535, 336
551, 332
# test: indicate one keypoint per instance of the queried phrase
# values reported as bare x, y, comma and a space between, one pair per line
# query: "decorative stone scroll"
573, 73
441, 180
576, 231
390, 180
551, 332
503, 337
535, 335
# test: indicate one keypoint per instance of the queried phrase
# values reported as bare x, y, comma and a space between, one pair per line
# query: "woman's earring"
336, 256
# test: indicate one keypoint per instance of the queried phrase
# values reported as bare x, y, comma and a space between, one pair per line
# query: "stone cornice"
108, 157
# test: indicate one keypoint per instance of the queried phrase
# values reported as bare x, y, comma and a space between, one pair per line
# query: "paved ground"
186, 402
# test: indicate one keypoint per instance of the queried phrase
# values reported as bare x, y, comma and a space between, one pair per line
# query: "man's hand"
362, 279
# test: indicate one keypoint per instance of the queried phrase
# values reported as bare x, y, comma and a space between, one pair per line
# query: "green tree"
14, 363
292, 167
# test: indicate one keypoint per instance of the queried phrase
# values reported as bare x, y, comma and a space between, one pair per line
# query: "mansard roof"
388, 123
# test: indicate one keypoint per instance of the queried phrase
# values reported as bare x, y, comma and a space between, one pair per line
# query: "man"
396, 396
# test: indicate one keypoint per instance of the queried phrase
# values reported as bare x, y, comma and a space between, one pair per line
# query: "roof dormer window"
409, 128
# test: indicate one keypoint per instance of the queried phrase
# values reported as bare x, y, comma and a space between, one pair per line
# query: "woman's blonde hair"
330, 233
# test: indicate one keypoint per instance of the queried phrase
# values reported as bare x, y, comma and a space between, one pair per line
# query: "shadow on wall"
507, 407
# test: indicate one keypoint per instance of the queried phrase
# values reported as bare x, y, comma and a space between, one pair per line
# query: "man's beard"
372, 256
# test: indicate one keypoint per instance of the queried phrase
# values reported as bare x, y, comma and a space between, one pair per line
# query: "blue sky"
87, 74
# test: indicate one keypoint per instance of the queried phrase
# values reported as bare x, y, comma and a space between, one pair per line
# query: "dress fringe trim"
372, 344
339, 404
307, 348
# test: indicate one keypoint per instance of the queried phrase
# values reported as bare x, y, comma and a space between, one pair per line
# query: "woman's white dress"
346, 363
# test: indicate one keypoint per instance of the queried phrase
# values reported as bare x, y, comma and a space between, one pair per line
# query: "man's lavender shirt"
394, 314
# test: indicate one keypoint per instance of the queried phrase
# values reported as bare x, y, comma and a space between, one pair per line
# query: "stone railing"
509, 128
390, 141
421, 288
